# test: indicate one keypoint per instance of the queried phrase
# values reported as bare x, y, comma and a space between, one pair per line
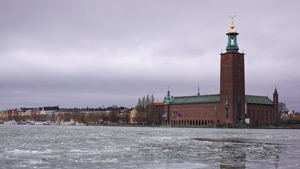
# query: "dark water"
135, 147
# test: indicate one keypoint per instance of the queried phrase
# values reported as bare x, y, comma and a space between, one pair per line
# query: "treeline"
143, 102
145, 110
113, 116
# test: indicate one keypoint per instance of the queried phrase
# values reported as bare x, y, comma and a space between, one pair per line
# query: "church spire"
168, 98
232, 45
198, 93
168, 94
275, 96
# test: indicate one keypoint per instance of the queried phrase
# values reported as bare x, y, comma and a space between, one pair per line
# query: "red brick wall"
262, 114
232, 86
194, 114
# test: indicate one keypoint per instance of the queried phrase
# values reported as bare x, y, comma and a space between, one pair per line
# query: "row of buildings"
112, 114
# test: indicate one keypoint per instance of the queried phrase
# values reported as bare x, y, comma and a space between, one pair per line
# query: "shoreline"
281, 126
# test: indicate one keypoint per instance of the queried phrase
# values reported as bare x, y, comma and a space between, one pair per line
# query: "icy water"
146, 147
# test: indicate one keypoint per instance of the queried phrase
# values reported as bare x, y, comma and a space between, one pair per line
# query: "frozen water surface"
146, 147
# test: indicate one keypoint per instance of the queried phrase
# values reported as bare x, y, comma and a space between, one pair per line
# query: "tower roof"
232, 45
275, 91
232, 26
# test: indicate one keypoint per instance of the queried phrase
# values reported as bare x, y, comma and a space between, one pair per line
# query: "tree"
67, 116
75, 116
139, 107
127, 116
37, 116
82, 118
9, 117
152, 99
95, 117
113, 114
17, 117
42, 117
142, 107
139, 118
282, 108
104, 117
89, 117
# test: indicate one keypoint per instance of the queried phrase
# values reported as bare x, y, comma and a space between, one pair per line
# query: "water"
146, 147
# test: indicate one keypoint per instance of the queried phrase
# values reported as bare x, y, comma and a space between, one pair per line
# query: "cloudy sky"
94, 53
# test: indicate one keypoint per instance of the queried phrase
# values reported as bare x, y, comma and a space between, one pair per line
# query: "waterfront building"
133, 116
230, 107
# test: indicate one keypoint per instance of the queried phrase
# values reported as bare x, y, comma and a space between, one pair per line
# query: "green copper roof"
258, 99
196, 99
216, 98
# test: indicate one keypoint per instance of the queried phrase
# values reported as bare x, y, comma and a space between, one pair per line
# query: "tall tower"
275, 101
232, 81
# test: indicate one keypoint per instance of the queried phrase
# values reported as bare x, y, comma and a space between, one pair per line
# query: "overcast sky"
94, 53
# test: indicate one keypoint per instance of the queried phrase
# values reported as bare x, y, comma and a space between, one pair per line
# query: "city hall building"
232, 106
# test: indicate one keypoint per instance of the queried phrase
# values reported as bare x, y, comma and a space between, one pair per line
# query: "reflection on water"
239, 152
134, 147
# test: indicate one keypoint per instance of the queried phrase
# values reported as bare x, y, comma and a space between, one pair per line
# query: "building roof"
158, 104
216, 98
258, 100
51, 108
196, 99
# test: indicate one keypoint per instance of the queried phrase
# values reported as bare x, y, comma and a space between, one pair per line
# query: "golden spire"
232, 26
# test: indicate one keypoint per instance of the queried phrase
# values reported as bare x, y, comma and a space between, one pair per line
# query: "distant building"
133, 116
230, 107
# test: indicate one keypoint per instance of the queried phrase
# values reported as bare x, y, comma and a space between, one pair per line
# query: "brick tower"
232, 81
275, 101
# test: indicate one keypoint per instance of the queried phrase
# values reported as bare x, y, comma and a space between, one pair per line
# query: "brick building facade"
231, 106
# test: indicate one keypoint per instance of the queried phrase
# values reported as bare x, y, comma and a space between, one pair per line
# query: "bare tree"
152, 99
139, 118
17, 117
82, 118
10, 117
89, 117
282, 108
37, 117
139, 107
127, 117
104, 117
113, 115
95, 117
142, 107
75, 116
